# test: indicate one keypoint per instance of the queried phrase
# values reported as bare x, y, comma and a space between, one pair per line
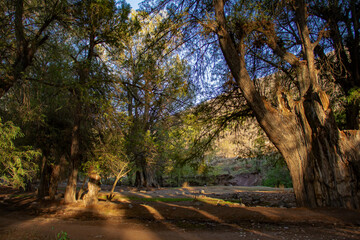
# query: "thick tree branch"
320, 36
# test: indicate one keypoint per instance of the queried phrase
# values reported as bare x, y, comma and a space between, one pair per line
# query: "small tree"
119, 167
113, 159
109, 149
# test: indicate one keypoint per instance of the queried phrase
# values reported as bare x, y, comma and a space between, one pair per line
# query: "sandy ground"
23, 217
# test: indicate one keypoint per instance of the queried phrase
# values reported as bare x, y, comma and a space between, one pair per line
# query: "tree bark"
56, 173
70, 191
146, 177
44, 183
83, 189
323, 161
114, 185
54, 181
92, 195
118, 177
138, 179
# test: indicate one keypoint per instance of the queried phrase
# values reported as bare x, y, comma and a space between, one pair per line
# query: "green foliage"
108, 155
62, 236
340, 118
354, 95
278, 176
353, 98
153, 86
276, 173
17, 163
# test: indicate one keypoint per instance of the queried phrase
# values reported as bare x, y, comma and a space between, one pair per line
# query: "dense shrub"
277, 176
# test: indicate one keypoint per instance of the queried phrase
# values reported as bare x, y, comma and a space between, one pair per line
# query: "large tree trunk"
323, 161
56, 173
139, 179
70, 191
92, 195
146, 176
54, 181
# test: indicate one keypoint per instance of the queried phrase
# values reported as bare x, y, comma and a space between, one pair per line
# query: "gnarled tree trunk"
323, 161
146, 176
92, 195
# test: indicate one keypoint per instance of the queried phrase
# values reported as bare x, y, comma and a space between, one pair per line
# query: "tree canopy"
103, 91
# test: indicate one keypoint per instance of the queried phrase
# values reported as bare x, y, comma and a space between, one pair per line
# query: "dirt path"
13, 226
21, 217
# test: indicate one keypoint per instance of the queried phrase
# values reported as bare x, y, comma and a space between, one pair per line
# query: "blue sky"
134, 3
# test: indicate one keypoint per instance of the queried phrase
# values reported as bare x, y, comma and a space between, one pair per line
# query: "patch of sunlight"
260, 189
154, 212
118, 197
138, 234
216, 201
187, 188
142, 195
160, 199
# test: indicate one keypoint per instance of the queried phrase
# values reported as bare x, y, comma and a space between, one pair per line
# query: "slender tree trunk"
70, 191
44, 183
114, 185
111, 194
118, 177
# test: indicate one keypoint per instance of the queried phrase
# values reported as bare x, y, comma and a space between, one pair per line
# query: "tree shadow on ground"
152, 218
181, 217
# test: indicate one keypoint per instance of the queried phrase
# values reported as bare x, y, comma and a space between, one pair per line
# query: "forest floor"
175, 213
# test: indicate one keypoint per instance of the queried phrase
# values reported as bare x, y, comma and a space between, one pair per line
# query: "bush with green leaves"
17, 164
278, 176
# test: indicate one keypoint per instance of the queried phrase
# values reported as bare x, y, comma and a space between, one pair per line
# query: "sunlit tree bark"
323, 161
